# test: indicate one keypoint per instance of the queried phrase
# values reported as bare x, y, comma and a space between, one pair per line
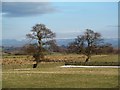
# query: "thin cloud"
22, 9
113, 26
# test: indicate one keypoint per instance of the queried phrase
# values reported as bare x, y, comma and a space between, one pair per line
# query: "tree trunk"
88, 58
37, 59
34, 65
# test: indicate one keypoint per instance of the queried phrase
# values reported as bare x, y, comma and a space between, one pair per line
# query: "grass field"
23, 59
51, 75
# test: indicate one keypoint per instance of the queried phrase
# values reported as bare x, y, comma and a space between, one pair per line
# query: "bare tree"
43, 35
87, 42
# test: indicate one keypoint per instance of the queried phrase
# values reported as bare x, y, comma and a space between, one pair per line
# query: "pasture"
27, 59
18, 73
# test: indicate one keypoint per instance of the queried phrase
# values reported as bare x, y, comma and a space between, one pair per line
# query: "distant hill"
113, 41
12, 42
60, 42
64, 42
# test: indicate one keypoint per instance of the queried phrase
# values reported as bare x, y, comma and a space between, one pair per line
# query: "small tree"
87, 42
30, 48
43, 35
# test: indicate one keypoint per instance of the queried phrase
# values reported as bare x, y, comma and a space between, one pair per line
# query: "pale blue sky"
67, 20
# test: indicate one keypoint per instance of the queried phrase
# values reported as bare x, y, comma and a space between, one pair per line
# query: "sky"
66, 19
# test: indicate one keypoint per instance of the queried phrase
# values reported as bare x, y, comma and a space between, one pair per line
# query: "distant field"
51, 75
23, 59
18, 73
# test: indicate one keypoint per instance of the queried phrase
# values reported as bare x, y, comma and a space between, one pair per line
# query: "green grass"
12, 59
51, 75
105, 58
